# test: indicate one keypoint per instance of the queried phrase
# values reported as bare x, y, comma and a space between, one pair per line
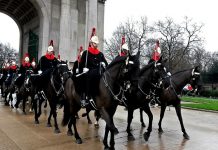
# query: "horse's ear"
197, 68
160, 60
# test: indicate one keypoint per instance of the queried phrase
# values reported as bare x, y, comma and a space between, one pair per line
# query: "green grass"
200, 103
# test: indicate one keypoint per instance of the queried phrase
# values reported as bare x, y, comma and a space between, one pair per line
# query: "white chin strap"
195, 73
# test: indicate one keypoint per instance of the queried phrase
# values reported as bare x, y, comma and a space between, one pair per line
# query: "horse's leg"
40, 100
108, 120
35, 101
178, 112
147, 110
162, 111
88, 118
49, 119
97, 116
112, 142
106, 147
24, 104
70, 132
57, 130
76, 135
129, 121
11, 99
141, 117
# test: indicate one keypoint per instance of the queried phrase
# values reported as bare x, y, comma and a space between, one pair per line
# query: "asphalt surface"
18, 132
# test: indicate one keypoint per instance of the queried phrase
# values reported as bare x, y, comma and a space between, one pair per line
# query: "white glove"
85, 70
19, 74
40, 72
77, 70
8, 75
103, 64
168, 73
131, 62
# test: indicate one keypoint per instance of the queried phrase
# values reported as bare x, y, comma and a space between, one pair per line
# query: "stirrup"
84, 103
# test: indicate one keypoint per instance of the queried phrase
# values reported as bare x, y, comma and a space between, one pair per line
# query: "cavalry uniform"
92, 64
46, 65
25, 66
11, 73
157, 52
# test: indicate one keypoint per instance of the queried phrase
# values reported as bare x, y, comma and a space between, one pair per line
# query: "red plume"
33, 60
80, 49
123, 40
93, 32
59, 57
26, 55
157, 44
51, 43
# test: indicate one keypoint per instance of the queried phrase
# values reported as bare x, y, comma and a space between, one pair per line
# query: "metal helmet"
50, 49
13, 63
94, 39
125, 46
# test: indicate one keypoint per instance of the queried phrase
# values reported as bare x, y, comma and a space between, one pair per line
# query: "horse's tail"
66, 116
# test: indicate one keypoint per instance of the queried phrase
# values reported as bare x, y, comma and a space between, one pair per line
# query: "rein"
115, 96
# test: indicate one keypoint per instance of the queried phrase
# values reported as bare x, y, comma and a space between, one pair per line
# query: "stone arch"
31, 16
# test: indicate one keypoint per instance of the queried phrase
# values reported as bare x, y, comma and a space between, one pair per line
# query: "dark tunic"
92, 77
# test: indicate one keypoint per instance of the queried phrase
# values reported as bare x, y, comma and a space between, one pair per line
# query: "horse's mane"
118, 59
181, 71
145, 68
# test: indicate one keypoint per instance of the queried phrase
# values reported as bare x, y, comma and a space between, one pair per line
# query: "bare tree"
7, 53
135, 34
179, 42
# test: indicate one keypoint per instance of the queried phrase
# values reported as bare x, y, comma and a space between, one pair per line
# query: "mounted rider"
45, 67
34, 66
11, 73
47, 63
92, 65
25, 66
132, 71
156, 53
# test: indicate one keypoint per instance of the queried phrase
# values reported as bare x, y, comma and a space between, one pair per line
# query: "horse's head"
118, 67
62, 70
160, 73
195, 78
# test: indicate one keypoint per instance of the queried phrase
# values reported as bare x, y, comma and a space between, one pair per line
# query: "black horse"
53, 92
104, 100
169, 95
24, 90
149, 80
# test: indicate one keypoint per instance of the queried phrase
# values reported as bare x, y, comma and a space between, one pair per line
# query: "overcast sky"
117, 11
201, 11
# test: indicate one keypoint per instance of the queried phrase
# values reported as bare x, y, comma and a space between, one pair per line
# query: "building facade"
68, 23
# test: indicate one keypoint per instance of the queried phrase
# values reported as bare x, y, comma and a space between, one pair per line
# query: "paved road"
18, 132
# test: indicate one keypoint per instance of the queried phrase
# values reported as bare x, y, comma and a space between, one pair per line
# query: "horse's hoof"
160, 131
30, 110
116, 131
131, 138
96, 125
79, 141
143, 124
186, 136
36, 121
57, 131
146, 136
69, 133
107, 148
89, 122
48, 125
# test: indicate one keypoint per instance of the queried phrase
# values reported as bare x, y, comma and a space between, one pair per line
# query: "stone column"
92, 17
100, 20
65, 30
